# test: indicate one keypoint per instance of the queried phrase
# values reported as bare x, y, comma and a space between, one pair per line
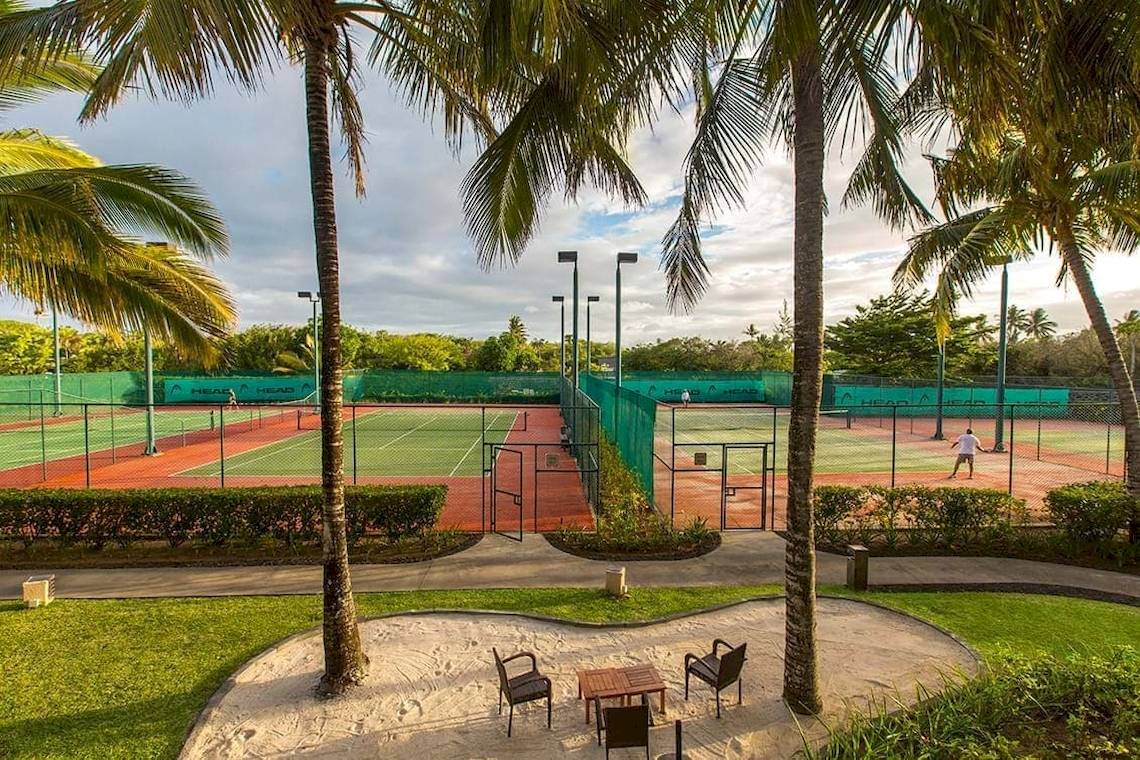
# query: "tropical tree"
797, 72
72, 226
1039, 326
297, 362
752, 332
1128, 329
1016, 322
516, 328
1050, 155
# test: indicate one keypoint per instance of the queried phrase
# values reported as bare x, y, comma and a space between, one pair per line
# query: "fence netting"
629, 419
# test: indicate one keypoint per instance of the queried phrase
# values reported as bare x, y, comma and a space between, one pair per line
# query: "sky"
406, 264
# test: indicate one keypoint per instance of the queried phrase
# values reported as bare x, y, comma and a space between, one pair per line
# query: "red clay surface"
556, 499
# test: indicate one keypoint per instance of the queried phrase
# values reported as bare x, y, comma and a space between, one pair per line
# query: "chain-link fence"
132, 446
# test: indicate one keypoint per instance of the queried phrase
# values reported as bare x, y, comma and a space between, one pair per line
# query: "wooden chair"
625, 727
718, 671
525, 687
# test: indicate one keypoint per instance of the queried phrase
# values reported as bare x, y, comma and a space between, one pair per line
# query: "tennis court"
380, 442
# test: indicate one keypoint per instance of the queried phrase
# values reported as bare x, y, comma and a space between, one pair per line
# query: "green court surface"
380, 442
106, 429
866, 447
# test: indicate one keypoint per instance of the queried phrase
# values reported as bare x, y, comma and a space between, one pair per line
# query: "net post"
222, 446
86, 448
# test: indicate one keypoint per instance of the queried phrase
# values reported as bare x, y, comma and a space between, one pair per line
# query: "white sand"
432, 691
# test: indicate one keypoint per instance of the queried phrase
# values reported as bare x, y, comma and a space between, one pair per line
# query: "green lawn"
395, 441
124, 679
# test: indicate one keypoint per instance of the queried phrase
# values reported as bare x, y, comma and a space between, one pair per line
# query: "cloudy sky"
406, 264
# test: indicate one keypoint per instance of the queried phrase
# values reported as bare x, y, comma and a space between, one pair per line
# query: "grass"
124, 679
396, 441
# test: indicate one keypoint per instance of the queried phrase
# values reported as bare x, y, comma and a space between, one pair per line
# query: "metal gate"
507, 492
744, 481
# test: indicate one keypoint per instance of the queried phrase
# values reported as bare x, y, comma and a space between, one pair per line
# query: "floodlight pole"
589, 300
148, 365
314, 299
1003, 342
571, 257
57, 379
938, 435
561, 301
622, 258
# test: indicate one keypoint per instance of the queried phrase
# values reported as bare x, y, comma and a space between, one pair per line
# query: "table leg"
587, 712
662, 701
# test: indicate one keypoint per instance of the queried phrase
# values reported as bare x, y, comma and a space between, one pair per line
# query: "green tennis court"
400, 441
858, 444
106, 429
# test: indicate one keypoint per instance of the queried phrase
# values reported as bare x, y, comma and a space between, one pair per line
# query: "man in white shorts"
685, 397
967, 444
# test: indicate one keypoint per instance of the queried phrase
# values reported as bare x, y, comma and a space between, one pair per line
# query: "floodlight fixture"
626, 258
567, 257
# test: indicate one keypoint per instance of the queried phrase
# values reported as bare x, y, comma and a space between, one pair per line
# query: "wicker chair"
718, 671
625, 727
525, 687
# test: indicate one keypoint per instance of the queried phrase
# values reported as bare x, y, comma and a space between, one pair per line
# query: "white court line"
480, 438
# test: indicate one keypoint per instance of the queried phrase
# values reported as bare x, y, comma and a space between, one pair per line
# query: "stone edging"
651, 557
1014, 587
231, 680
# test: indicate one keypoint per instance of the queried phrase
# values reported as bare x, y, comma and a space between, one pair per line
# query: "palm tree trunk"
345, 662
801, 681
1121, 379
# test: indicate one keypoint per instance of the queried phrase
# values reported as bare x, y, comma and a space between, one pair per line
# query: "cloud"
406, 263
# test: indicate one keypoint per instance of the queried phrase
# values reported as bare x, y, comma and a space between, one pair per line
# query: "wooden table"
612, 683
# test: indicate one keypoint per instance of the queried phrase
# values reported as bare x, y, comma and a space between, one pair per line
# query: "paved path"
746, 558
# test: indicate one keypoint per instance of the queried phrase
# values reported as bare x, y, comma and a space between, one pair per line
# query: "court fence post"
353, 406
114, 458
43, 443
222, 446
894, 441
1107, 445
86, 449
1011, 444
672, 465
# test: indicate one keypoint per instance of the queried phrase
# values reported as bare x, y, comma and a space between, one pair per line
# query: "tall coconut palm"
1039, 326
1048, 162
72, 229
442, 56
796, 72
1016, 321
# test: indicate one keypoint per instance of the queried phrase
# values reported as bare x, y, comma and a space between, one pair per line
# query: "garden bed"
591, 545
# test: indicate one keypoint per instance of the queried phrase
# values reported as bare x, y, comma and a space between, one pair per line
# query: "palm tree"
69, 238
1129, 330
1016, 321
470, 62
516, 328
752, 332
1051, 157
791, 71
1039, 326
297, 362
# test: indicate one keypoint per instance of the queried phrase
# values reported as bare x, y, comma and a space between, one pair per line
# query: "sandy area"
432, 691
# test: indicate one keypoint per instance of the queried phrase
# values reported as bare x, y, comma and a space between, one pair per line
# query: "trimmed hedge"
1092, 512
218, 516
943, 517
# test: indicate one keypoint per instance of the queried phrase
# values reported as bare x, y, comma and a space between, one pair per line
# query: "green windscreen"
490, 387
629, 419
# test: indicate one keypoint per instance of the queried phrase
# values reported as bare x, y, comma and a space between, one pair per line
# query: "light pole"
56, 379
148, 371
589, 300
314, 299
622, 258
938, 436
999, 393
561, 336
571, 257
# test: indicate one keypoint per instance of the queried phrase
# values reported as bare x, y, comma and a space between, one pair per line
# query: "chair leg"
740, 690
548, 711
500, 702
718, 705
510, 720
686, 685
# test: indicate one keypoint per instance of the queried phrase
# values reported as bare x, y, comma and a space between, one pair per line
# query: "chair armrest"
718, 643
529, 655
689, 658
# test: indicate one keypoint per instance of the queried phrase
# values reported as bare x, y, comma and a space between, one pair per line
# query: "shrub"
915, 515
1091, 512
213, 515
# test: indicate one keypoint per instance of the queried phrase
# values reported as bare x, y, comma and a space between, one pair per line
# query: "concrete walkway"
746, 558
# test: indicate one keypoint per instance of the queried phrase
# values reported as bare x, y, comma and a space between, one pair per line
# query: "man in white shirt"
967, 444
685, 398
